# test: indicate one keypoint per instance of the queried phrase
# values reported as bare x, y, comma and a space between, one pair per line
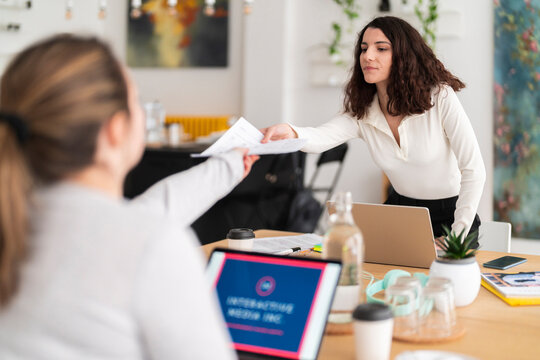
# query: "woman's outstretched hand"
249, 160
278, 132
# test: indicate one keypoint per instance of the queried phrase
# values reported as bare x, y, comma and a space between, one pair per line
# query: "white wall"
210, 91
266, 68
46, 17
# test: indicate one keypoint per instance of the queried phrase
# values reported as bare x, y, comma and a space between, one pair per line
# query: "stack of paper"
274, 245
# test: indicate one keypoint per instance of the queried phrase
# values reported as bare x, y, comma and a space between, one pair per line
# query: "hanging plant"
350, 9
428, 19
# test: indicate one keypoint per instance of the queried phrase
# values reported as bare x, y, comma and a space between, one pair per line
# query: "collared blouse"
438, 155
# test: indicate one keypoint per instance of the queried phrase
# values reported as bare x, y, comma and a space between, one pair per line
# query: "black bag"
304, 209
283, 202
304, 212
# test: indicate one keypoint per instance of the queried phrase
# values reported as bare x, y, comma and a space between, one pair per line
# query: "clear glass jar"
343, 241
155, 122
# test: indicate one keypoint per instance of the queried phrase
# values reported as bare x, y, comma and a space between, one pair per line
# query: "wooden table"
494, 330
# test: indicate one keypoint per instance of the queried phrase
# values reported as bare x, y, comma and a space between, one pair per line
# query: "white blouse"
438, 155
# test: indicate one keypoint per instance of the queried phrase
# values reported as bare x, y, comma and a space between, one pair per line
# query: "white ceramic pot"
465, 275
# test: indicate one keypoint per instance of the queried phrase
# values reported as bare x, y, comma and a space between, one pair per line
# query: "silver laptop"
395, 235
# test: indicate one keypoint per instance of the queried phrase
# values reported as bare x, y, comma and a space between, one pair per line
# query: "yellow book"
513, 301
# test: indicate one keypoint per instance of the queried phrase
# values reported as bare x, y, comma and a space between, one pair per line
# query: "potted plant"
458, 263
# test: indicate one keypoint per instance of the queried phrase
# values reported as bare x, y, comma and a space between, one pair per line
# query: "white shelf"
328, 74
16, 4
325, 72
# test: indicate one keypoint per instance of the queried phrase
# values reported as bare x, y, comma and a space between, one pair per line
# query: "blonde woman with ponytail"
85, 274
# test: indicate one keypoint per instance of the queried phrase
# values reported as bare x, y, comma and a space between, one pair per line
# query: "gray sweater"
109, 279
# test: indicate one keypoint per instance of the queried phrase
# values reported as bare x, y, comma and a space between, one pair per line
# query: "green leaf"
351, 14
454, 247
427, 20
350, 9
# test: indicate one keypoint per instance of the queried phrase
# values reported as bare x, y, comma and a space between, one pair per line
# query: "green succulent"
454, 246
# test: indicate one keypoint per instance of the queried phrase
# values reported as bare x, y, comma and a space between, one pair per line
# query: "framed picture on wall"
182, 36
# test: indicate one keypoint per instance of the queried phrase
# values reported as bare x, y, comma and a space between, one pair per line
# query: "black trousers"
441, 212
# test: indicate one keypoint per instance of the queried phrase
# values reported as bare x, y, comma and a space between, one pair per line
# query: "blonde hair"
63, 89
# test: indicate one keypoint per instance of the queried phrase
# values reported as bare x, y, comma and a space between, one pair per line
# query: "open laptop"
395, 235
274, 306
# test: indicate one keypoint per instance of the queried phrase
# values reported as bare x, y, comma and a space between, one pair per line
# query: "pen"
288, 251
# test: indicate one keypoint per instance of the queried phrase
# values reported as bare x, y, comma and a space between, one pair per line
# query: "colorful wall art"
516, 182
182, 36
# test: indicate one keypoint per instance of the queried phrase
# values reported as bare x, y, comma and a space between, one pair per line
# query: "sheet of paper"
243, 134
277, 147
276, 244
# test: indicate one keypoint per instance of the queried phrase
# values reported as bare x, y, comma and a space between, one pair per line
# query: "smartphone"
504, 262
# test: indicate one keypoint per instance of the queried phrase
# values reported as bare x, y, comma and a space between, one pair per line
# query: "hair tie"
17, 124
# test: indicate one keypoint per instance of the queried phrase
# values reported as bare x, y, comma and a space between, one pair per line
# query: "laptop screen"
274, 305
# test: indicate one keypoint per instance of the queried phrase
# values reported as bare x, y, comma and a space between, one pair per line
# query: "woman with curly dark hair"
401, 101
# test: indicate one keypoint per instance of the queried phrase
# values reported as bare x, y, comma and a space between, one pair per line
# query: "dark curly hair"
415, 72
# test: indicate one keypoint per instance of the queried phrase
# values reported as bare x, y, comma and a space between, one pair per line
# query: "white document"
276, 244
243, 134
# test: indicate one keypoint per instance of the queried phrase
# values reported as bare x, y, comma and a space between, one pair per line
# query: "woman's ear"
111, 137
116, 129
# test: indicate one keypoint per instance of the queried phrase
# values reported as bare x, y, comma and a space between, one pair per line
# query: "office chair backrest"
495, 236
336, 154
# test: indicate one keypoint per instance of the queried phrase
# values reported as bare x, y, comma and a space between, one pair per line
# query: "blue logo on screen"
265, 304
265, 286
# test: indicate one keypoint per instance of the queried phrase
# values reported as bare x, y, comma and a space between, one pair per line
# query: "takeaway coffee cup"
373, 331
241, 239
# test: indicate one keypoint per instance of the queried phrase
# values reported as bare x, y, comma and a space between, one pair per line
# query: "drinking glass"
449, 286
437, 312
414, 284
402, 301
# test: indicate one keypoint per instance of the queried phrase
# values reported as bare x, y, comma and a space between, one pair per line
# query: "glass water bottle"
343, 241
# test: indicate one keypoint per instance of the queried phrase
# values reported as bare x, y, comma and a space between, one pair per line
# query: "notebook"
514, 288
274, 306
395, 235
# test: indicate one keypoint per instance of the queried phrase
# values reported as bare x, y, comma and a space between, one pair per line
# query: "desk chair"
495, 236
333, 155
